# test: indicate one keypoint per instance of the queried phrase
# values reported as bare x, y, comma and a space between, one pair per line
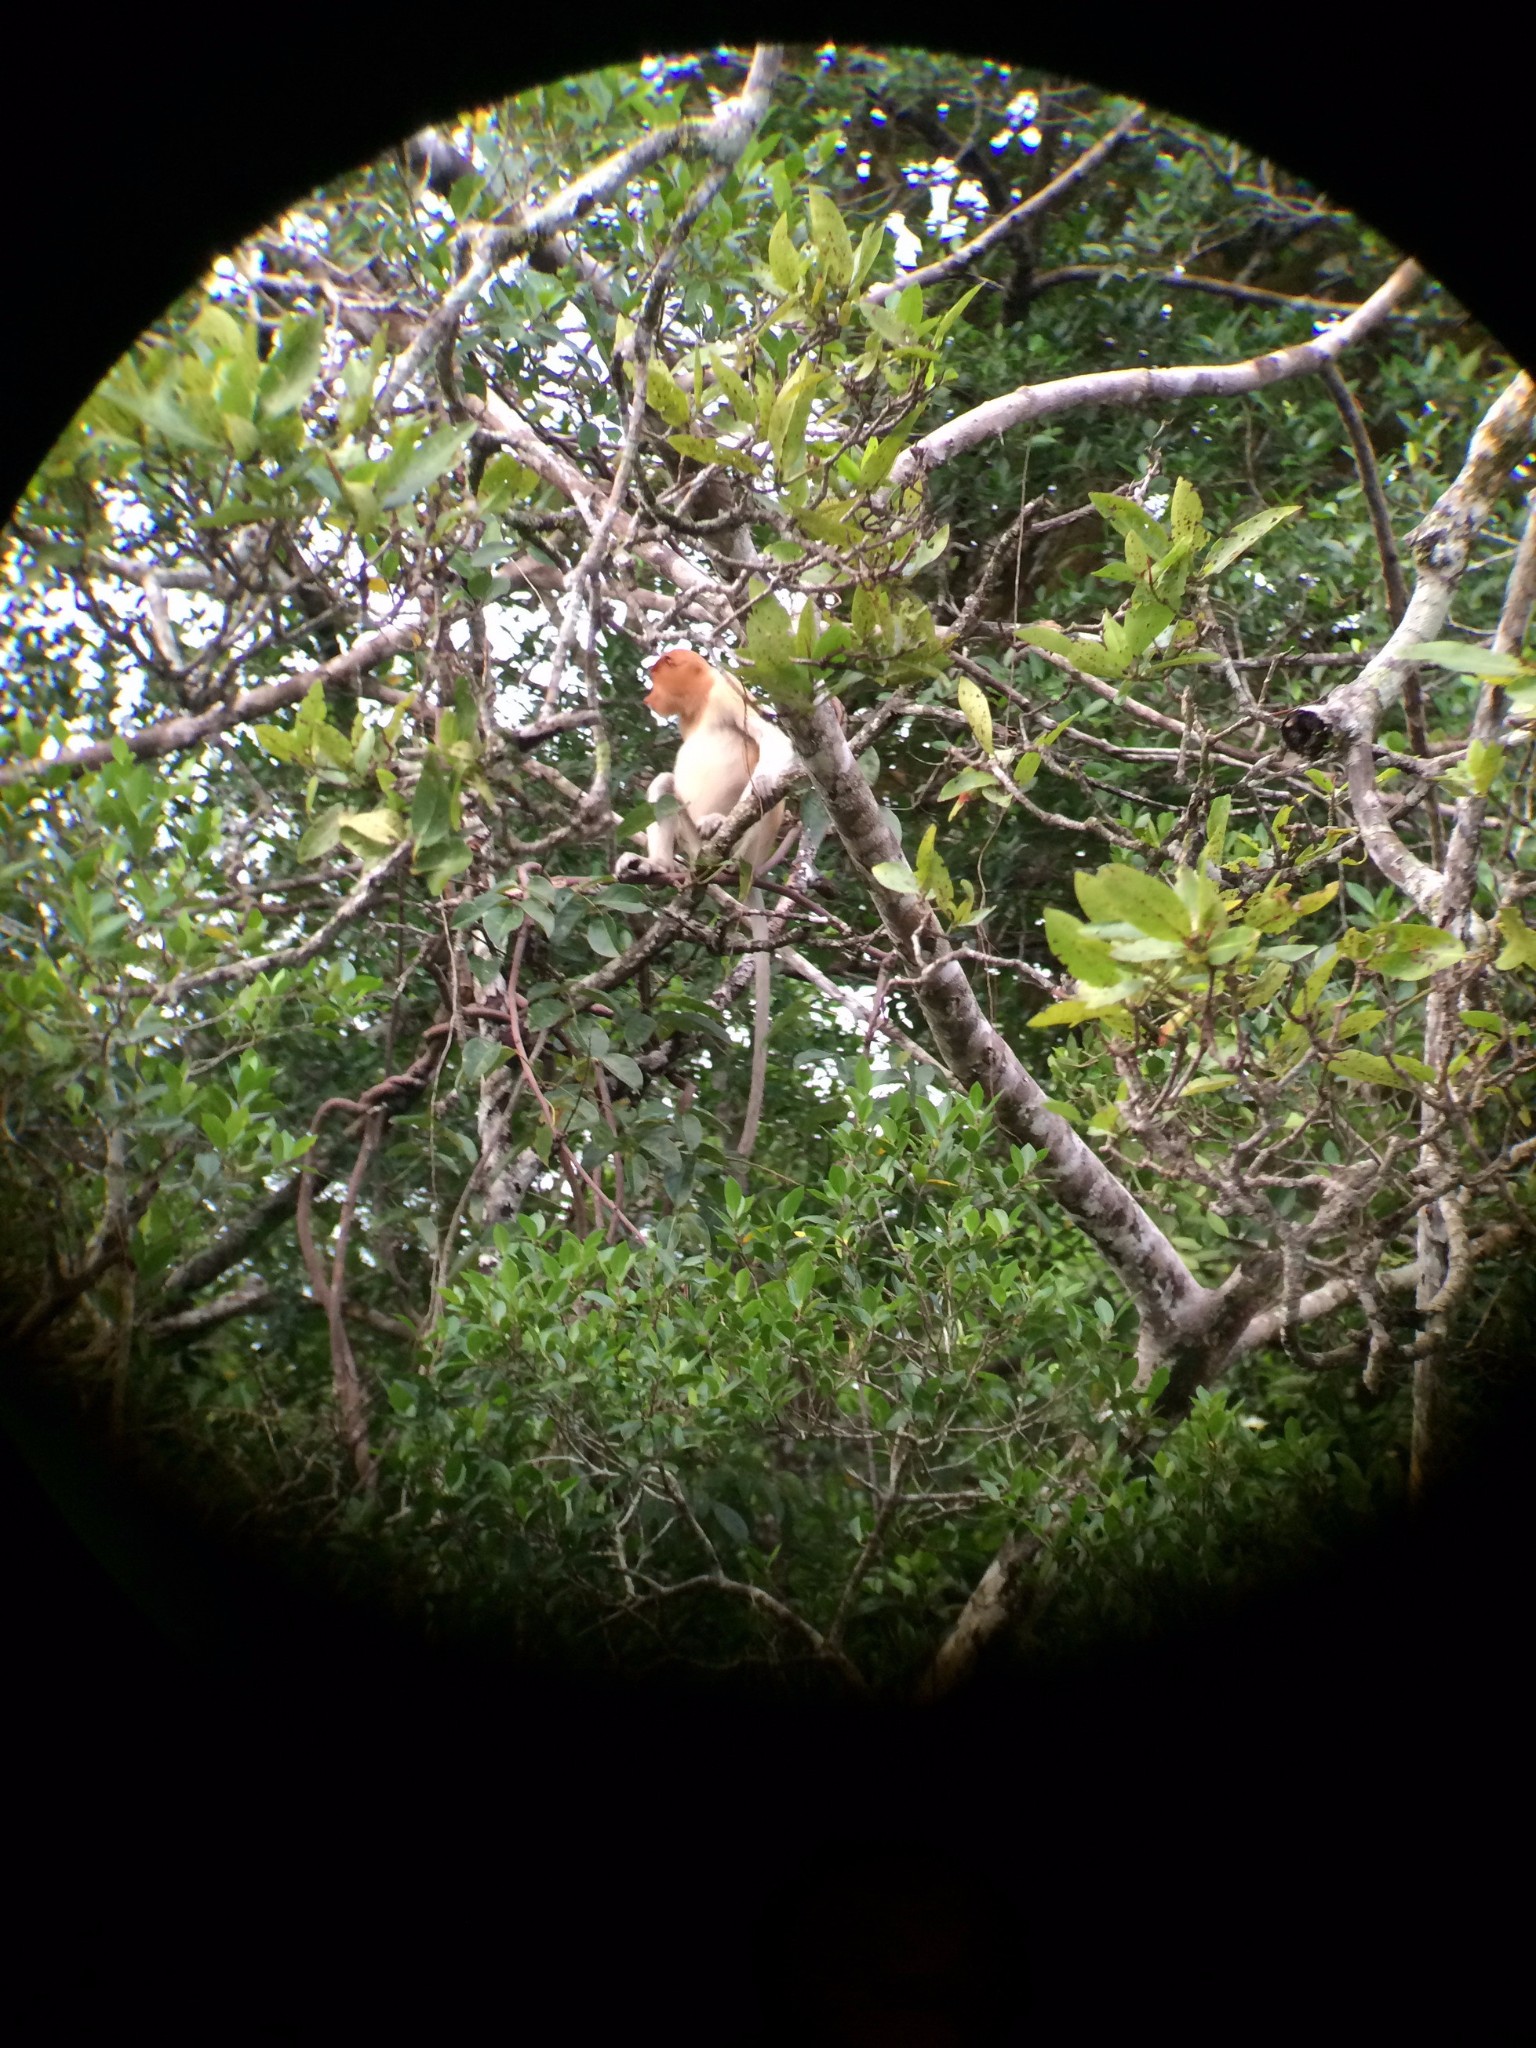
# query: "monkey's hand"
636, 867
710, 824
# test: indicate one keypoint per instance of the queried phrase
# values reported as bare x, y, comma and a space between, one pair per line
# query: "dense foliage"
368, 1120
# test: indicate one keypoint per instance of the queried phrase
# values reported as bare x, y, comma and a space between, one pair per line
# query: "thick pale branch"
721, 136
1441, 546
1172, 1303
499, 420
232, 1244
1149, 387
1270, 1325
175, 735
356, 904
999, 1595
252, 1293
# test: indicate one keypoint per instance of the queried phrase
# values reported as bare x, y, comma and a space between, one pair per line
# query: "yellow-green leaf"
1059, 1013
833, 248
1086, 958
1186, 513
785, 262
1519, 949
698, 449
665, 395
1088, 655
1216, 824
1400, 1072
1484, 759
978, 713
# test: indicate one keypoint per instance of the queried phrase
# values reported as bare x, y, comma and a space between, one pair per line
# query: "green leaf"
293, 368
481, 1057
926, 551
932, 874
1417, 951
624, 1069
800, 1279
1172, 572
1124, 895
896, 876
787, 419
827, 522
1201, 898
735, 388
937, 329
1127, 517
1060, 1013
406, 475
1466, 660
1088, 655
432, 805
1086, 958
870, 243
878, 456
1144, 621
967, 781
1186, 512
321, 835
1365, 1019
161, 410
888, 324
771, 653
374, 830
1237, 539
1216, 830
503, 482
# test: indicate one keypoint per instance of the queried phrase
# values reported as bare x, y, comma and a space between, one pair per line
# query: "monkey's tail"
760, 1023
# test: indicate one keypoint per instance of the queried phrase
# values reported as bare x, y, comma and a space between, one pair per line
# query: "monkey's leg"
661, 833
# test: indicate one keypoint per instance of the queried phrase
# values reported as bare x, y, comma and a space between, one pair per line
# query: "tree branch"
1149, 387
999, 230
174, 735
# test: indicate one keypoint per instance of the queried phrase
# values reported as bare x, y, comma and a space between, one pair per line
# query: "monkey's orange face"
674, 682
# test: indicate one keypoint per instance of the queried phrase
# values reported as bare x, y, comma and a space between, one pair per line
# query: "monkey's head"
680, 680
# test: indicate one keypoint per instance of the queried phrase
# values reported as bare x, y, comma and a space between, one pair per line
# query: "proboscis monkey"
726, 746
